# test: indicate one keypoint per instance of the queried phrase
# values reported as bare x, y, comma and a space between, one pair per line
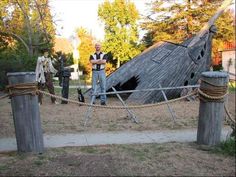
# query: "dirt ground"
169, 159
69, 118
183, 159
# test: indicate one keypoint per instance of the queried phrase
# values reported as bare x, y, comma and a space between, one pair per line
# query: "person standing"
43, 72
98, 61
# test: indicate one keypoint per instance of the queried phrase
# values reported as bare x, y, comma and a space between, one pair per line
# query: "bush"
12, 62
227, 147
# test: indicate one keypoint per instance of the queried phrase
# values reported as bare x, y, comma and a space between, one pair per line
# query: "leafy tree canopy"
179, 20
86, 48
121, 34
26, 27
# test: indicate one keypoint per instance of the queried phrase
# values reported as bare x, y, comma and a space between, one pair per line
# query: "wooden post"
26, 116
211, 112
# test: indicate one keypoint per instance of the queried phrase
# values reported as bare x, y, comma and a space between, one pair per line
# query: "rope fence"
204, 93
118, 107
207, 92
32, 89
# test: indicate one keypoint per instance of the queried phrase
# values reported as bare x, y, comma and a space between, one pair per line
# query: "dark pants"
49, 86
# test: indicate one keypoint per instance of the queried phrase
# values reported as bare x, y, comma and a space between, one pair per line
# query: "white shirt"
44, 65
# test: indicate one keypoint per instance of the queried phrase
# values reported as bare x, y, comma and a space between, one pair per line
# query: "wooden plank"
145, 90
26, 116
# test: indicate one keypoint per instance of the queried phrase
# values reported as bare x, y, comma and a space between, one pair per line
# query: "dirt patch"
169, 159
69, 118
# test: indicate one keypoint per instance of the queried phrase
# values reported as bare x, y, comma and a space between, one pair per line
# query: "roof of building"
229, 46
63, 44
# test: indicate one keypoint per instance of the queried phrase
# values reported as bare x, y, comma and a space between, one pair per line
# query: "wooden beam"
145, 90
170, 109
131, 114
211, 22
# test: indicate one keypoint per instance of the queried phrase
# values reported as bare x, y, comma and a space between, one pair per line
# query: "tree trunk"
118, 63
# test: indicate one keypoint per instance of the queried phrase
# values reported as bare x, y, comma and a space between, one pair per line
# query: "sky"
71, 14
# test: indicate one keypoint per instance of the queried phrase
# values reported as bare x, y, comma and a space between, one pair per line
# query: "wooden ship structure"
166, 64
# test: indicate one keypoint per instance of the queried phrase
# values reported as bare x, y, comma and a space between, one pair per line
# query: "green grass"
226, 147
3, 167
38, 162
21, 156
231, 87
88, 149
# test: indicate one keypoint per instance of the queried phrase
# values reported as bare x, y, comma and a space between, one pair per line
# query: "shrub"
227, 147
12, 62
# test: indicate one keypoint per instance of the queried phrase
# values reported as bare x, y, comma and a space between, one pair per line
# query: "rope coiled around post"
22, 89
209, 92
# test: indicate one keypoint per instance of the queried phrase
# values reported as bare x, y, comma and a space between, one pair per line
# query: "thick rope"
231, 122
117, 107
230, 118
212, 92
22, 89
203, 94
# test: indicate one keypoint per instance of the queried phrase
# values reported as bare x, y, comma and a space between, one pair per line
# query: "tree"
121, 34
26, 27
178, 21
28, 23
86, 48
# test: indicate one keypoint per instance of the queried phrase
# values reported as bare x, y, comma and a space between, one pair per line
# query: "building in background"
228, 59
66, 46
63, 45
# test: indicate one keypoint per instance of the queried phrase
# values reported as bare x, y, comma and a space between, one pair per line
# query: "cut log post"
26, 116
211, 110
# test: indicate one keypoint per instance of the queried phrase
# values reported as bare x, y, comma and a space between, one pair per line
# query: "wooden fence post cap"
215, 74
